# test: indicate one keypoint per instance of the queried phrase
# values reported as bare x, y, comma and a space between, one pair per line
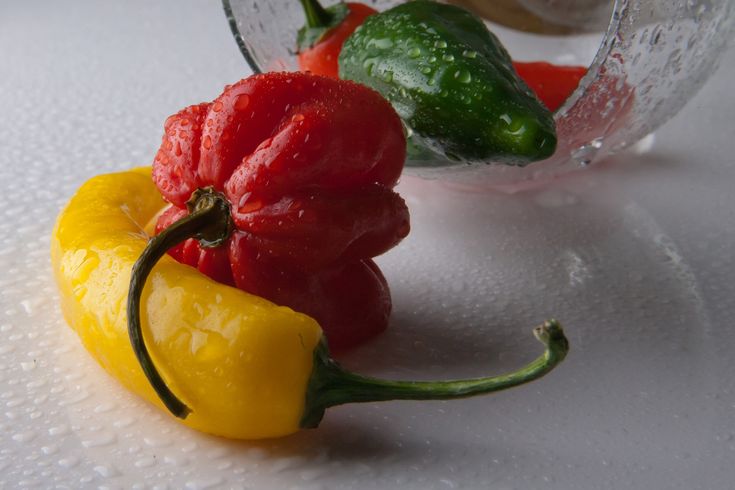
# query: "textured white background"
634, 256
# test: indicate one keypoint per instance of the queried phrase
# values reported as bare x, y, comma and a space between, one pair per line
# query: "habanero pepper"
306, 167
246, 368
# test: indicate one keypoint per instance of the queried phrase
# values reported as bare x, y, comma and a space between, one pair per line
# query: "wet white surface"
634, 256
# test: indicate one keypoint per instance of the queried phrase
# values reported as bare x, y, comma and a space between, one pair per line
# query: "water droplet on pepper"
463, 76
242, 101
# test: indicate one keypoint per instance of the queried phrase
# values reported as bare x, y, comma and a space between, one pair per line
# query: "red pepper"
552, 84
306, 165
321, 56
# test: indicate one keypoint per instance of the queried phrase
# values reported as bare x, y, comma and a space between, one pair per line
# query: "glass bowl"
643, 68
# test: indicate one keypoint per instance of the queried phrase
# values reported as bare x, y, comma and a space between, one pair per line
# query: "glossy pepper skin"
307, 165
321, 40
240, 362
552, 84
245, 368
452, 83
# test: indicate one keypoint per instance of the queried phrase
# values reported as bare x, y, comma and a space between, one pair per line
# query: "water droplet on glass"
187, 448
124, 422
596, 143
104, 407
69, 462
100, 440
24, 437
106, 471
50, 449
587, 152
28, 366
59, 430
145, 462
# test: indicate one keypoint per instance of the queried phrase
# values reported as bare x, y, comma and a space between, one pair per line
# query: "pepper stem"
316, 15
209, 222
332, 385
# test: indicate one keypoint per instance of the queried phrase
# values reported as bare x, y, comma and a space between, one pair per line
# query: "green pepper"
452, 82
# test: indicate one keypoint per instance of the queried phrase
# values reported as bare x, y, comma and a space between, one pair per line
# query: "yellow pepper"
240, 365
240, 362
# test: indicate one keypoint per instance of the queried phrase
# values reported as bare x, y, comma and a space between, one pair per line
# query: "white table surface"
634, 256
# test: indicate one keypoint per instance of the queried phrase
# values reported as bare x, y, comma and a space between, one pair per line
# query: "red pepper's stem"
316, 15
332, 385
209, 221
319, 22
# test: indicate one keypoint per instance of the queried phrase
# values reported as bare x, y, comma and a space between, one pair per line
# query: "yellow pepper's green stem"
332, 385
208, 221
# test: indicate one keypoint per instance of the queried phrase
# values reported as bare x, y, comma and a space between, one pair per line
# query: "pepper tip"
551, 334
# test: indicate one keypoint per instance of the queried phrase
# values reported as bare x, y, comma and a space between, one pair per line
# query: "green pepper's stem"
332, 385
316, 15
209, 221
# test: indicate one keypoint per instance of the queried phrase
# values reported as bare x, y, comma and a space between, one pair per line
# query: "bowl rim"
585, 83
239, 39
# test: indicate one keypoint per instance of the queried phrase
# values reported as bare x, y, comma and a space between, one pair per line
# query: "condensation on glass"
654, 56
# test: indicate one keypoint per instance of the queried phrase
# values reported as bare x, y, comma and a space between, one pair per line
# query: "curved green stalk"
316, 15
209, 222
319, 21
332, 385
